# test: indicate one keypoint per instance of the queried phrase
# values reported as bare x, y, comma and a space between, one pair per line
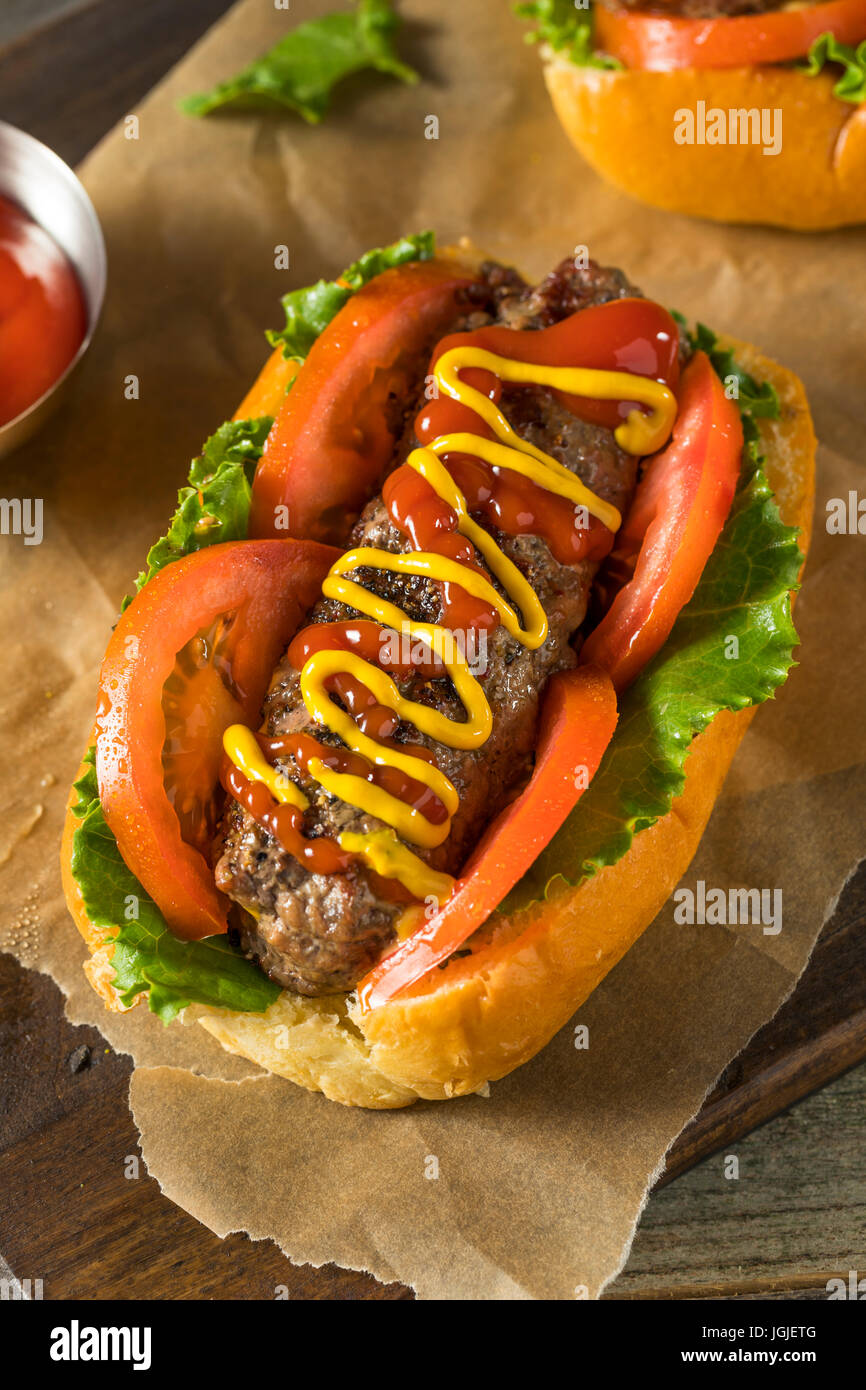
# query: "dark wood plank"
818, 1033
70, 1215
69, 81
789, 1219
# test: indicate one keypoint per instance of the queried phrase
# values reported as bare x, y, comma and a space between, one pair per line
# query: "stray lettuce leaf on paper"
147, 959
300, 72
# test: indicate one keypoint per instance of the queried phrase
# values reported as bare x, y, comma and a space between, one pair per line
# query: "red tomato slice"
194, 701
230, 610
578, 718
679, 509
656, 43
333, 437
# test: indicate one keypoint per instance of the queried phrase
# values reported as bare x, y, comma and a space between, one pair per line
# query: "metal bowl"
37, 179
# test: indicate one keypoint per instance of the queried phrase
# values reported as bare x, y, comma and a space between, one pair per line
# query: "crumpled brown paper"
533, 1192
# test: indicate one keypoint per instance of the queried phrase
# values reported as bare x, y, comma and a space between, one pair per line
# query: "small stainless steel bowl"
37, 179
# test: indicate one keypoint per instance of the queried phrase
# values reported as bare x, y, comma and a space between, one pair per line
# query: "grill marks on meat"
319, 934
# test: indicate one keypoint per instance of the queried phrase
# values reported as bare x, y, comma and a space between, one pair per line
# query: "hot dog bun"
490, 1011
622, 122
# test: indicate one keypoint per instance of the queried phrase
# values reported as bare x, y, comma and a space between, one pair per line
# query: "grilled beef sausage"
319, 934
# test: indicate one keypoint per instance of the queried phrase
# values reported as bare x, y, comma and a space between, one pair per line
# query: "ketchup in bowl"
43, 317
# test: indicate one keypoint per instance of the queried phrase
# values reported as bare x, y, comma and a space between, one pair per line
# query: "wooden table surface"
793, 1217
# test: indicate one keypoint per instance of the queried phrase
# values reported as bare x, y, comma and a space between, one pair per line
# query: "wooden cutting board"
65, 1129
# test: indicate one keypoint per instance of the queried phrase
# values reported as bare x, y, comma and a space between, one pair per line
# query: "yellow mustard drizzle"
642, 433
386, 856
242, 747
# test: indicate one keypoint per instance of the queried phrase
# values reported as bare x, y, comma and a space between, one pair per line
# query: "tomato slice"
577, 721
678, 511
334, 434
658, 43
229, 610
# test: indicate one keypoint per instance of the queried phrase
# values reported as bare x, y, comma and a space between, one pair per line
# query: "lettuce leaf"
216, 505
301, 70
566, 28
731, 647
147, 958
755, 399
851, 85
310, 310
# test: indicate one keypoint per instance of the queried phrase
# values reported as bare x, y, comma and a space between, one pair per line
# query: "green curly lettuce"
567, 28
309, 311
147, 958
300, 72
851, 85
215, 506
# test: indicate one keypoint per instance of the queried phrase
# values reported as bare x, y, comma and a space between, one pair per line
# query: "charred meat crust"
318, 934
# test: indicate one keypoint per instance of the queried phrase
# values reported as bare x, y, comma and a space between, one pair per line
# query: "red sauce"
628, 335
431, 524
321, 855
285, 823
368, 640
520, 507
43, 318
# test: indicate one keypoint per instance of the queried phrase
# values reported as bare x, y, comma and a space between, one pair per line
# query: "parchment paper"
539, 1185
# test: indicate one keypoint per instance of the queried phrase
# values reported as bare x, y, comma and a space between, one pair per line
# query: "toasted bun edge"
623, 123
